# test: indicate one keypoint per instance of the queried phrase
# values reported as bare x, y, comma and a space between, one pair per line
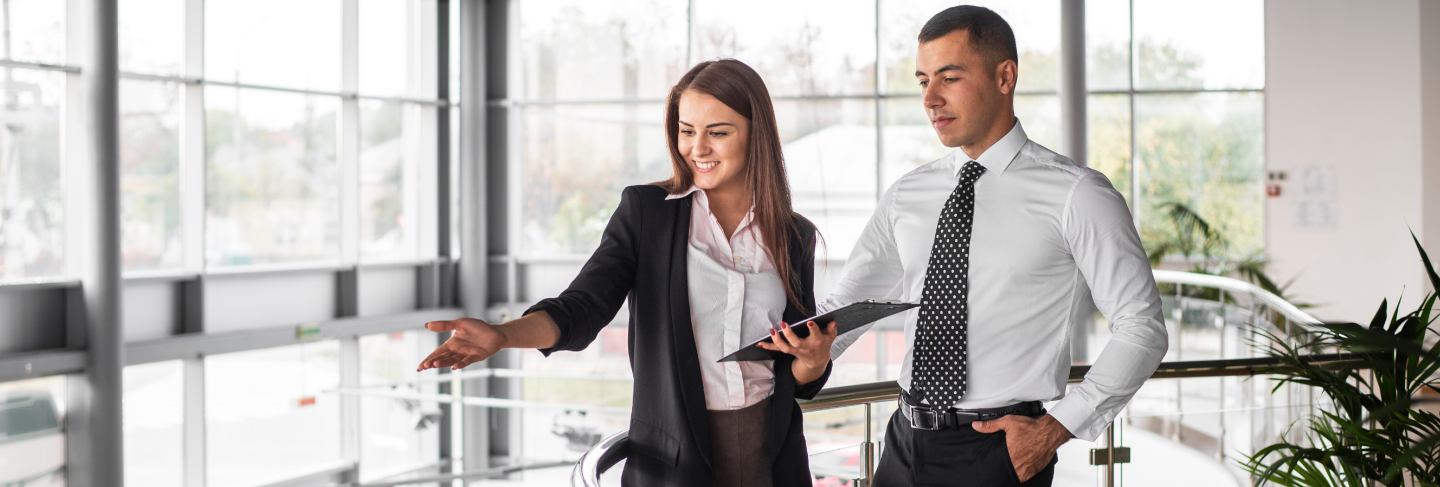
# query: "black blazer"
642, 255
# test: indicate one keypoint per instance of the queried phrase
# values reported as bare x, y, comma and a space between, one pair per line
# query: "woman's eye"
719, 134
687, 132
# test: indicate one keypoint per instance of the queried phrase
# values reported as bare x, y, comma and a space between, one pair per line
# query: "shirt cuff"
1081, 419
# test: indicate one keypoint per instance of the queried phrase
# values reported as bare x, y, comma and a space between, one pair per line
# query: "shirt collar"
998, 157
683, 194
703, 202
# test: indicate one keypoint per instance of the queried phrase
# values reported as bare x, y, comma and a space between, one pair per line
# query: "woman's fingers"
466, 361
790, 337
430, 359
778, 339
442, 325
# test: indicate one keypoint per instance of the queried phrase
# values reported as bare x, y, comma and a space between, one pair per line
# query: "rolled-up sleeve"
1108, 252
593, 298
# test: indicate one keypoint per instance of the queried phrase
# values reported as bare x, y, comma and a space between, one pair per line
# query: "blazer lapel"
687, 360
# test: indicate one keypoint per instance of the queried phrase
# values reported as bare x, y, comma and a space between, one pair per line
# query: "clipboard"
846, 319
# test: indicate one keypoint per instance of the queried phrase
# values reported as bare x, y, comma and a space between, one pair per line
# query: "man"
1006, 245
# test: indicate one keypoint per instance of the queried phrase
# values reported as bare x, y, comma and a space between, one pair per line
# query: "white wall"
1343, 106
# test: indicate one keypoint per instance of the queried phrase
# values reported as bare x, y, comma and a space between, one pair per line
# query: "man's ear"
1006, 75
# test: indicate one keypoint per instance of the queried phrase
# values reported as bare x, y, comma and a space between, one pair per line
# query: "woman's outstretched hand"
812, 353
472, 340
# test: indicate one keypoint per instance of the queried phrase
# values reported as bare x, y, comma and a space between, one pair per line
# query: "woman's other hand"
471, 341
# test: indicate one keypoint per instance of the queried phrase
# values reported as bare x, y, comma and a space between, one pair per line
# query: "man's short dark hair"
989, 33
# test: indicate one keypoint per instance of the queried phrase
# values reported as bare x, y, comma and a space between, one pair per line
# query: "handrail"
588, 474
854, 395
1232, 285
608, 452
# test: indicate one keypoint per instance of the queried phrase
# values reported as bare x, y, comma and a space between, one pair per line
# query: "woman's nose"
701, 147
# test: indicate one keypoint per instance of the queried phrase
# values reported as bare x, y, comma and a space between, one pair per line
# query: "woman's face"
712, 139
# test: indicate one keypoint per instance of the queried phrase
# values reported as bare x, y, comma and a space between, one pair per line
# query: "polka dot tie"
940, 336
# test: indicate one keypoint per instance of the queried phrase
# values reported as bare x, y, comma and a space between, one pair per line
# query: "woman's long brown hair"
740, 88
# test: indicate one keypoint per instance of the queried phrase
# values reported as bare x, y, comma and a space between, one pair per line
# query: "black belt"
925, 417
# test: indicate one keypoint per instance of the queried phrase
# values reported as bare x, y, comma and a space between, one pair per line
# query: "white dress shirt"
1050, 240
735, 298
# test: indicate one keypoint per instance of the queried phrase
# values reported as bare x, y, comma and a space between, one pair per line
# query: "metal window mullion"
192, 188
350, 438
349, 129
879, 144
192, 142
349, 152
474, 440
192, 438
1136, 209
423, 176
90, 172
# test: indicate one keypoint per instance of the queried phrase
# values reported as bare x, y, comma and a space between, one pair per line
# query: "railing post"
867, 450
1221, 324
1110, 455
1179, 355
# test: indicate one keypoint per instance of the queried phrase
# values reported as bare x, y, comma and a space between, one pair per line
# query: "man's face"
964, 93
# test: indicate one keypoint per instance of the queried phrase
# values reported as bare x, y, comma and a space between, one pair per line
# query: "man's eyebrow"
947, 67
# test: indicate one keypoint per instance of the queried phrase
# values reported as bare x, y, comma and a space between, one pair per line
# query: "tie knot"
971, 172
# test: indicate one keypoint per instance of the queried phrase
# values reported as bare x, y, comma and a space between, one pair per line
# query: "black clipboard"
846, 319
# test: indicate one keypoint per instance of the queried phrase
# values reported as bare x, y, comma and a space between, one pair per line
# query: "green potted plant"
1370, 430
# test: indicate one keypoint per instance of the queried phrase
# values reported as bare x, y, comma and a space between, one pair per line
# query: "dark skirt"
738, 443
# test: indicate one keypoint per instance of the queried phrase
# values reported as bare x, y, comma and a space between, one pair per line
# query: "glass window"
397, 47
149, 175
1037, 38
152, 36
799, 48
598, 376
270, 180
1206, 151
577, 49
267, 417
393, 146
829, 150
576, 161
1176, 45
32, 217
1107, 45
1109, 139
32, 432
300, 47
154, 411
396, 434
34, 31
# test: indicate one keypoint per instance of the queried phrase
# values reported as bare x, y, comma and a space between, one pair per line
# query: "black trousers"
948, 458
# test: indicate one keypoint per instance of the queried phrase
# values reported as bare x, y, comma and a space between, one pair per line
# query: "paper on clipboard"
846, 319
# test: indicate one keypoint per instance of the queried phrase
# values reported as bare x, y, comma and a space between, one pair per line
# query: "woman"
709, 260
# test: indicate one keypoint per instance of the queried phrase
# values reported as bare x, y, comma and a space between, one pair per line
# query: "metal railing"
615, 447
1265, 311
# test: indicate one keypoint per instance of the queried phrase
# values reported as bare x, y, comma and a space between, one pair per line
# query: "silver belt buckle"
923, 418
